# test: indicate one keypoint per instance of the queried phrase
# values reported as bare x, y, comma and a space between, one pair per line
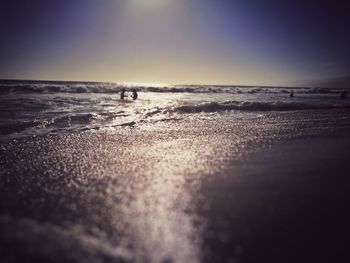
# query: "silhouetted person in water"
344, 94
291, 94
122, 94
134, 94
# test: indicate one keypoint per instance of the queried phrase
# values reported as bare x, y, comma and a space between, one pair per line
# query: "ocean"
183, 174
31, 108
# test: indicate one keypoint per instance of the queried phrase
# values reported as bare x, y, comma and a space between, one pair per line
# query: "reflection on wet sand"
163, 227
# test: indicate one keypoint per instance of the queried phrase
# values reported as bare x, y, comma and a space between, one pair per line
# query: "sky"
176, 41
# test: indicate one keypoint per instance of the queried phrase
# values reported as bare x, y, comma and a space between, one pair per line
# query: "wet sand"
269, 187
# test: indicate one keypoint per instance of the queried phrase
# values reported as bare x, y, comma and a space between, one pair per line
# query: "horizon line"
152, 84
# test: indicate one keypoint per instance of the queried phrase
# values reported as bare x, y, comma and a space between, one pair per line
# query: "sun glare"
151, 3
144, 84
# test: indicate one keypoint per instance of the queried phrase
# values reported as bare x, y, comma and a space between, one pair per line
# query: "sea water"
31, 108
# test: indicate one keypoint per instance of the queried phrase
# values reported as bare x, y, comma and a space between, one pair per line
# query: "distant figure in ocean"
344, 94
134, 94
122, 94
291, 94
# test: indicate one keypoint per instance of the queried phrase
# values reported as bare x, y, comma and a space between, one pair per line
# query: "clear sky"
175, 41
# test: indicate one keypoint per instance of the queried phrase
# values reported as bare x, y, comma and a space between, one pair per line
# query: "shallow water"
35, 108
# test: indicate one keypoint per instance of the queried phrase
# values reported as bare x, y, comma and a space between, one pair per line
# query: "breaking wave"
111, 88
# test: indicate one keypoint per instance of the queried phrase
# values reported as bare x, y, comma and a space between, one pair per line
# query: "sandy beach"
154, 131
270, 187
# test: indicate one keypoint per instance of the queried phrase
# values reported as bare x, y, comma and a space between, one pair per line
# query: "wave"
110, 88
42, 88
253, 106
120, 118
